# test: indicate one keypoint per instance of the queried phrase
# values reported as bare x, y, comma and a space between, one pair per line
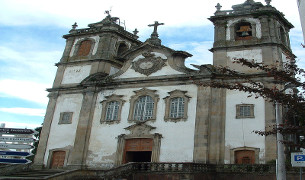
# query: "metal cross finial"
74, 26
135, 32
155, 26
218, 7
107, 12
268, 2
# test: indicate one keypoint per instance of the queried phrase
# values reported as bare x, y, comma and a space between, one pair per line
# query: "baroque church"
116, 99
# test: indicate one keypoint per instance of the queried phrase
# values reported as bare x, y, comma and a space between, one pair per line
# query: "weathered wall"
62, 135
239, 132
178, 137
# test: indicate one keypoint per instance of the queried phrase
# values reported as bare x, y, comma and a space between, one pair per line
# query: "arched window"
112, 108
243, 31
177, 107
84, 48
143, 105
112, 111
144, 108
122, 48
283, 36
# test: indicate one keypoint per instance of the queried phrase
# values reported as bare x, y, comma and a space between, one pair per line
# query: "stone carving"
140, 129
149, 64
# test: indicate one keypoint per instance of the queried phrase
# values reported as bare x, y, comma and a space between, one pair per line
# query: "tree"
288, 76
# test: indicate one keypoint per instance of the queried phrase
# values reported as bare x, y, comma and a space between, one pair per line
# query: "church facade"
116, 99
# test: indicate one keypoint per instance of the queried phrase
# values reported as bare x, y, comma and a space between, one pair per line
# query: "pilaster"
44, 135
201, 125
77, 158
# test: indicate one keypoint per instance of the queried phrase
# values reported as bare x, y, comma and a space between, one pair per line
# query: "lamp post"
281, 169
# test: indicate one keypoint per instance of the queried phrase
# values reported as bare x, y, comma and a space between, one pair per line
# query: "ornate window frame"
241, 116
134, 98
112, 98
176, 94
77, 46
62, 118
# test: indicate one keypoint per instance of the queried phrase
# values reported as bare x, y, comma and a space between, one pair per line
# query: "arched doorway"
138, 150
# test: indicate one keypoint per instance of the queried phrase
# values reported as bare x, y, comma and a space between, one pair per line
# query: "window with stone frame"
243, 31
112, 108
244, 111
84, 48
65, 118
176, 106
143, 105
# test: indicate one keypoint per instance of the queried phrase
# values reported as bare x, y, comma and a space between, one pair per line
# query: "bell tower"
251, 31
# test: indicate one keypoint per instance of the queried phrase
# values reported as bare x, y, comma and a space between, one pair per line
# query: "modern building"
301, 6
116, 99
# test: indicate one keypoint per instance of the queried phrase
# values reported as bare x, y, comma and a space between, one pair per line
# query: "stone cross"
135, 32
74, 26
155, 26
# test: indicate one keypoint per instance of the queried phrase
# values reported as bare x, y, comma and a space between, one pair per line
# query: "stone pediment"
140, 129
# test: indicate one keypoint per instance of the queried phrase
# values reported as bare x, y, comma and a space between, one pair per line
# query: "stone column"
216, 135
201, 124
44, 135
77, 158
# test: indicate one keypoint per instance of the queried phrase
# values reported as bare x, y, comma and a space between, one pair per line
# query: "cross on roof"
156, 24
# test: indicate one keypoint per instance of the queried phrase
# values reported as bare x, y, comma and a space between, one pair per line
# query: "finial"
74, 26
135, 32
268, 2
218, 7
108, 12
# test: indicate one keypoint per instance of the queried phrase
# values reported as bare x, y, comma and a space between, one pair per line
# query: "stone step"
32, 174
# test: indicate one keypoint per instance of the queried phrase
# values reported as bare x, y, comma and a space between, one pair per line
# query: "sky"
31, 41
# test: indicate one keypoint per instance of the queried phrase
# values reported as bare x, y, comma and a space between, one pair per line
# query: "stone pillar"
201, 125
155, 154
68, 48
77, 158
216, 136
44, 135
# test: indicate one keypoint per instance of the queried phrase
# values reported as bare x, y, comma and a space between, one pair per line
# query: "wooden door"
245, 157
138, 145
58, 159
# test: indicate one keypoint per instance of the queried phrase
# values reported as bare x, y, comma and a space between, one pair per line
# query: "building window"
84, 48
176, 106
112, 107
144, 108
244, 111
243, 31
112, 111
122, 49
65, 118
143, 105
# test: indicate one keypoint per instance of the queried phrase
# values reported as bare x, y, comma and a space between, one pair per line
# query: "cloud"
27, 90
25, 111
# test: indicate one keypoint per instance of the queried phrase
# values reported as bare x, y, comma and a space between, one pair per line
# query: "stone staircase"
35, 174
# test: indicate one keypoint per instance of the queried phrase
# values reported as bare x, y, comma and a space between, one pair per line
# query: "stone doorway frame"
139, 131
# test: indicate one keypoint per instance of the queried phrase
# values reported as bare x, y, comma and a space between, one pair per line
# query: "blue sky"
31, 41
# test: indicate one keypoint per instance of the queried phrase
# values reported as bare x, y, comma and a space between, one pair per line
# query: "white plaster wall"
239, 132
75, 74
301, 4
166, 70
63, 135
251, 20
255, 54
97, 40
177, 143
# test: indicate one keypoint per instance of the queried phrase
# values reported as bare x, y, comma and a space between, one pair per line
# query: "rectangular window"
112, 111
244, 111
65, 118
